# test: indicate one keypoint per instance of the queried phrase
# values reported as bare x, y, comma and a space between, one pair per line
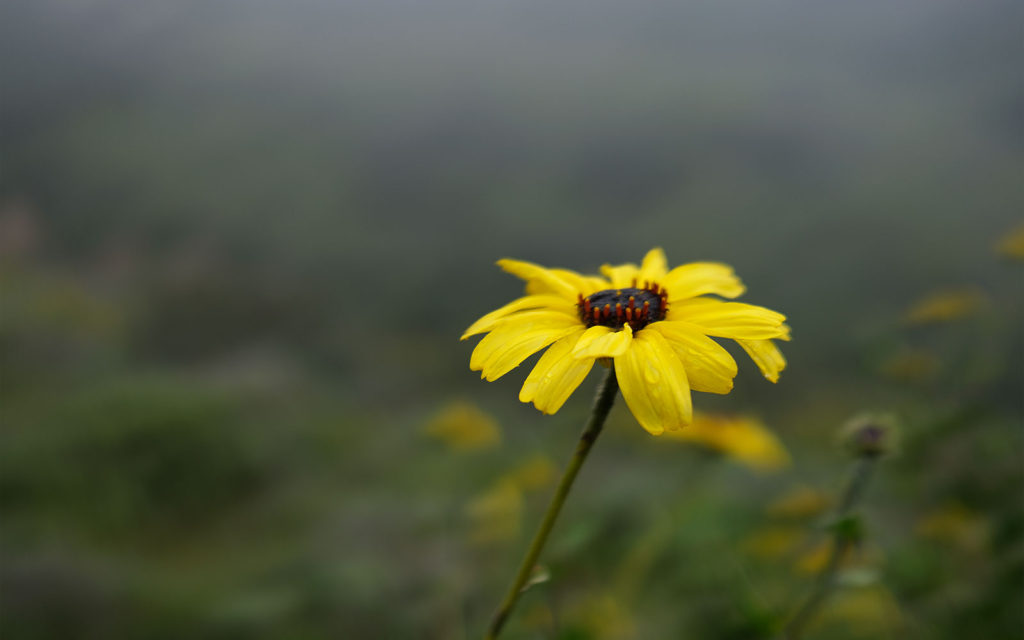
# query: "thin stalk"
842, 541
602, 405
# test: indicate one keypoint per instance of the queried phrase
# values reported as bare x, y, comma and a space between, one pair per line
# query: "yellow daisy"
655, 324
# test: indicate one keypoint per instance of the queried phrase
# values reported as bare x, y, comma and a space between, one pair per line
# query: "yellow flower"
603, 617
495, 515
945, 306
464, 427
852, 558
815, 559
536, 472
911, 365
744, 439
871, 610
1012, 244
656, 324
539, 617
955, 524
773, 541
799, 503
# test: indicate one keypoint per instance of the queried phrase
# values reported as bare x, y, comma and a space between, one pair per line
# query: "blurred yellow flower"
540, 618
945, 306
744, 439
955, 524
656, 324
911, 365
869, 610
814, 560
496, 514
773, 541
604, 617
799, 503
464, 427
536, 472
1012, 244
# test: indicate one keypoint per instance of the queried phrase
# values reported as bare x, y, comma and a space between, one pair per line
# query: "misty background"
239, 240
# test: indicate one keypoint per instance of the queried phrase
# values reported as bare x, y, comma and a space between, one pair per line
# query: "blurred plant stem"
602, 405
846, 532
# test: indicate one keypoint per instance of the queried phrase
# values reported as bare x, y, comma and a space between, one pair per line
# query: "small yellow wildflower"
955, 524
604, 617
870, 610
744, 439
1012, 244
656, 324
945, 306
536, 472
539, 618
496, 514
773, 541
464, 427
799, 503
815, 559
911, 365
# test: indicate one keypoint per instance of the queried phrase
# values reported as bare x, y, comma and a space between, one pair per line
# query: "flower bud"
870, 435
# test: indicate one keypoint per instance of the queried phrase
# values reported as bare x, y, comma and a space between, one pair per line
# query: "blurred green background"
240, 239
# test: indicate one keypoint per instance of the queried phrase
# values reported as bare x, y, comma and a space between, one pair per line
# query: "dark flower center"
616, 308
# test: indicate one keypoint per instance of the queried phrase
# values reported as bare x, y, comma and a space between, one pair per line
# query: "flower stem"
842, 541
602, 405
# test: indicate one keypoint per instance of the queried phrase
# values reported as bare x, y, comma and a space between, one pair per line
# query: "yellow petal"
584, 285
766, 356
508, 327
527, 345
621, 275
556, 375
603, 342
518, 336
654, 267
734, 320
629, 372
709, 367
488, 322
654, 384
549, 279
701, 278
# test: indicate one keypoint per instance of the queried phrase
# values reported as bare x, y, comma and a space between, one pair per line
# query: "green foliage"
130, 455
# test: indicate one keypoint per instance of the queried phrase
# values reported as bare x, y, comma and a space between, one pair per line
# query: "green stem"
841, 543
602, 405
